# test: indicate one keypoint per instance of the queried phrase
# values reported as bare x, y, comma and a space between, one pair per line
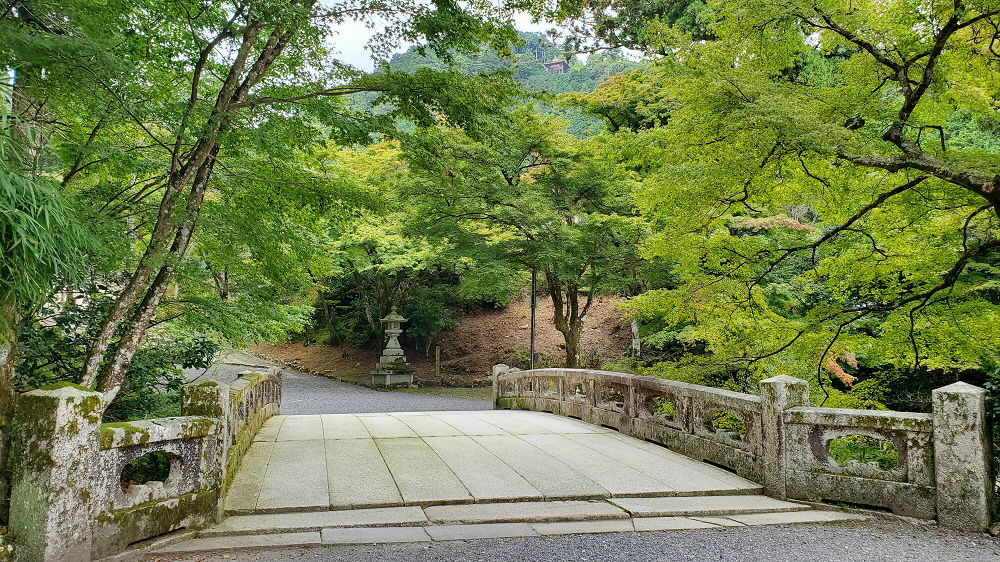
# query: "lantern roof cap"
393, 316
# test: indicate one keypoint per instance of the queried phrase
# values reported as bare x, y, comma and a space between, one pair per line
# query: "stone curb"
443, 533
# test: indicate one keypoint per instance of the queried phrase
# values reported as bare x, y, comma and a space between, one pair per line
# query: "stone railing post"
55, 452
777, 395
211, 400
963, 458
494, 377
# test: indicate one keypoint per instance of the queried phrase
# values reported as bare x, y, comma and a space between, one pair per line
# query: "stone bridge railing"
69, 500
932, 466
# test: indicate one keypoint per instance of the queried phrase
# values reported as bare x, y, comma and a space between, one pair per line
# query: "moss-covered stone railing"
933, 466
69, 499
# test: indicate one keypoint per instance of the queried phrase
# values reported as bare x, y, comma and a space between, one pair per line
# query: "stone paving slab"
301, 428
468, 424
555, 423
670, 524
426, 530
811, 516
336, 461
420, 474
296, 478
682, 464
428, 426
532, 512
720, 521
374, 535
704, 505
316, 520
358, 475
343, 426
485, 476
518, 423
610, 473
577, 527
660, 464
384, 426
480, 531
269, 431
547, 474
247, 482
241, 541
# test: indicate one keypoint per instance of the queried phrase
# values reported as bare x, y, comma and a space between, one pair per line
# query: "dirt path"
468, 353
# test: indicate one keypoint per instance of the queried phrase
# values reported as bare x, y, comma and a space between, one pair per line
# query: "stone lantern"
392, 368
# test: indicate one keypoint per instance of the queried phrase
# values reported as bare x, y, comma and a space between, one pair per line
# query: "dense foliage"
823, 177
198, 143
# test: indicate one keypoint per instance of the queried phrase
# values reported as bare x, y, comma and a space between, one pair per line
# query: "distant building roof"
557, 64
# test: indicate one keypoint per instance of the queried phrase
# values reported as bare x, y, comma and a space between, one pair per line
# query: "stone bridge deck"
410, 477
338, 461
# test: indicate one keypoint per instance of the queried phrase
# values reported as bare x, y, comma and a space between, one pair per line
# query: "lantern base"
392, 379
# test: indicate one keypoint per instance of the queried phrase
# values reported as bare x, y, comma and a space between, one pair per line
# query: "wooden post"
437, 363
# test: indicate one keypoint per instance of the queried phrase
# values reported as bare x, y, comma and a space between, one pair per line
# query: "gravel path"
312, 394
879, 540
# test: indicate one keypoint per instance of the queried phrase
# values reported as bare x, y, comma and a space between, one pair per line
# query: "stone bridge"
566, 451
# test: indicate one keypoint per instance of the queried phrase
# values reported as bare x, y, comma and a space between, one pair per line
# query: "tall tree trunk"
8, 399
8, 347
572, 337
141, 284
568, 315
135, 333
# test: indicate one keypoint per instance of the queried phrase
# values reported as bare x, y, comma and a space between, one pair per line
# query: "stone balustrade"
932, 466
69, 501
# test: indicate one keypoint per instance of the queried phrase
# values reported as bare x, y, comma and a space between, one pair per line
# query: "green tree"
529, 194
156, 101
41, 240
827, 187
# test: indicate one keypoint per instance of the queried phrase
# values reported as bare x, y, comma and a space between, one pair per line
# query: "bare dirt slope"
481, 340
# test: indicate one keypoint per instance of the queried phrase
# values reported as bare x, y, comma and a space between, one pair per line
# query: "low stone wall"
814, 474
253, 399
941, 464
68, 500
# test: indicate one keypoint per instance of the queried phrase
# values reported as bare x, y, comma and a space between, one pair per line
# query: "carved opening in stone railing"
150, 476
863, 450
507, 388
662, 408
729, 420
727, 425
612, 396
548, 387
578, 391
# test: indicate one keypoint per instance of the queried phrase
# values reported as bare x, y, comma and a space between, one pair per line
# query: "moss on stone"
133, 435
119, 528
59, 385
203, 400
198, 427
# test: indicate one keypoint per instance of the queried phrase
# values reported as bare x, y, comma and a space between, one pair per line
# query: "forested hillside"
526, 63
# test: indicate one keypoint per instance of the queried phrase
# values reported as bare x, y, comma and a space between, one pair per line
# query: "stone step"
231, 511
273, 523
377, 535
692, 506
521, 512
501, 512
